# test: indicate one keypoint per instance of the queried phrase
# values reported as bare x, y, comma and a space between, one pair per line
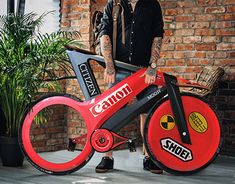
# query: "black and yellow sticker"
167, 122
198, 122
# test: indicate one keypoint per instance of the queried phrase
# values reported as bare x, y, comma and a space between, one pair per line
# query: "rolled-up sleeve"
158, 30
107, 20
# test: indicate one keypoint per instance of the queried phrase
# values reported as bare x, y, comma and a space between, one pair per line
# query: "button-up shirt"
141, 26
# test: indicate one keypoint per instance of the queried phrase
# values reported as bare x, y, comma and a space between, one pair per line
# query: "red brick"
193, 69
173, 11
199, 25
169, 25
219, 9
168, 47
216, 54
184, 18
229, 39
225, 2
211, 39
191, 54
55, 130
200, 54
225, 32
204, 32
221, 25
227, 17
175, 62
84, 30
206, 2
75, 23
65, 24
226, 46
165, 4
169, 18
230, 9
80, 9
224, 62
179, 55
184, 32
205, 17
188, 69
84, 1
161, 62
169, 33
180, 25
185, 47
74, 16
194, 10
172, 39
166, 69
208, 46
166, 54
192, 39
199, 62
231, 55
65, 10
184, 4
229, 2
207, 62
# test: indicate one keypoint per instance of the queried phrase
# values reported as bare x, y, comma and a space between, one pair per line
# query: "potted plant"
29, 61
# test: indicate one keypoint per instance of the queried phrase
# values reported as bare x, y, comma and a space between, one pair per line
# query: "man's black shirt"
141, 26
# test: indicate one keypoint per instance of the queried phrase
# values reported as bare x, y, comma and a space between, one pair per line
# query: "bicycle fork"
177, 107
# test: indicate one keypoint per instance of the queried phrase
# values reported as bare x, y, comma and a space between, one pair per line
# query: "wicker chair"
209, 77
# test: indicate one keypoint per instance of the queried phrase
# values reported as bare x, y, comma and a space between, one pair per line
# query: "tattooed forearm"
156, 48
106, 49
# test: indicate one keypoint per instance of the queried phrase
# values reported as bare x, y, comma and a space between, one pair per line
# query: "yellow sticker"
198, 122
167, 122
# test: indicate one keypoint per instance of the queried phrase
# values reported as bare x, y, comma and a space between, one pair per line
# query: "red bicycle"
60, 132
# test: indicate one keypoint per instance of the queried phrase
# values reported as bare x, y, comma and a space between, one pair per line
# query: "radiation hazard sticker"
198, 122
167, 122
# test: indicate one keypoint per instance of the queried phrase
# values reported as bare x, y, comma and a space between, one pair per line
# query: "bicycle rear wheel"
45, 133
163, 142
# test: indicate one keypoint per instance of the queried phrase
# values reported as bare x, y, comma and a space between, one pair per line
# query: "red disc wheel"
163, 140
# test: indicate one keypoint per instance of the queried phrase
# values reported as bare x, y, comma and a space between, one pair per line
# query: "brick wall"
198, 33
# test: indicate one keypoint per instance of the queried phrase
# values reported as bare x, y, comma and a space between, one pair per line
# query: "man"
143, 35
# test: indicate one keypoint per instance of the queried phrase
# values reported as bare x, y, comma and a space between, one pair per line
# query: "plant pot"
10, 152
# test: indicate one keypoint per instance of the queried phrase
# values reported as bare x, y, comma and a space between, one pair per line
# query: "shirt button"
133, 22
131, 43
131, 53
132, 32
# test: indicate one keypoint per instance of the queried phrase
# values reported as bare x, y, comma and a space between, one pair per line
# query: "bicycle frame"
97, 106
184, 148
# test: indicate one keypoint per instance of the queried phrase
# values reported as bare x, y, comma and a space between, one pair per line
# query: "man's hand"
150, 75
109, 73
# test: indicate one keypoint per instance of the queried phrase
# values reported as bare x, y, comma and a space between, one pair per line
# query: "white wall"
51, 21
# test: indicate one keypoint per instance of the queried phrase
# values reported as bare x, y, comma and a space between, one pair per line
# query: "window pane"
51, 22
3, 7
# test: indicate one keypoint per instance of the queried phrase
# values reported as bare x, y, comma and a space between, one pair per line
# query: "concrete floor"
128, 169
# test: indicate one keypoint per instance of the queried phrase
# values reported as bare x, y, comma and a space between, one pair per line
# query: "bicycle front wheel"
47, 132
163, 141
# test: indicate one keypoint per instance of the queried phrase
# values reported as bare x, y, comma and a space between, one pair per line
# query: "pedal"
131, 145
72, 145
